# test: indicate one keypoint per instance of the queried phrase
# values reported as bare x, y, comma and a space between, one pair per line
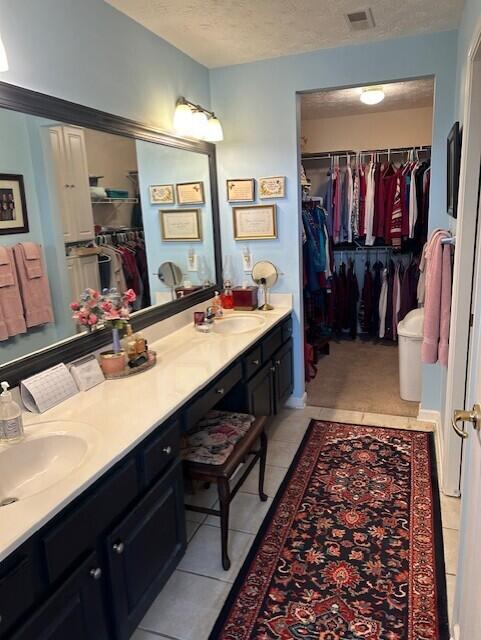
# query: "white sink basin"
238, 324
45, 457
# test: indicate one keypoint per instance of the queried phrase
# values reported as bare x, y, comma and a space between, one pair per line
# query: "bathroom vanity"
86, 557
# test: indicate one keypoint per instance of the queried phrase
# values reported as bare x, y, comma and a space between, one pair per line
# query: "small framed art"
274, 187
181, 225
257, 222
453, 169
13, 205
190, 193
241, 190
162, 194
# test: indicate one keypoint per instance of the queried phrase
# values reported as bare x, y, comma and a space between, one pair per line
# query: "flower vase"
116, 340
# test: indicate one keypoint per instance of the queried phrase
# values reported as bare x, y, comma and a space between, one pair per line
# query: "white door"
78, 190
62, 182
467, 606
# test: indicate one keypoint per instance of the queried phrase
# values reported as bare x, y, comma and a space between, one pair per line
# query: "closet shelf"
116, 201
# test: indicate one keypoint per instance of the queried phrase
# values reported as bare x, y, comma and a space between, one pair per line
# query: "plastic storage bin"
410, 333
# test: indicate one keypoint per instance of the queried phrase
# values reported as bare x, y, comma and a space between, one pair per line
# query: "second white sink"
40, 461
241, 323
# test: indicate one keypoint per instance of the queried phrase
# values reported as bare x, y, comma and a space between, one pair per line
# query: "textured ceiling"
346, 102
223, 32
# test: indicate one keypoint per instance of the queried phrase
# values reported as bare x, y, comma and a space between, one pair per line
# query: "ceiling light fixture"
373, 95
194, 121
3, 57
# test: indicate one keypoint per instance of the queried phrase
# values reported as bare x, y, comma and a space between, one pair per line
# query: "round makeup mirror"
265, 275
171, 275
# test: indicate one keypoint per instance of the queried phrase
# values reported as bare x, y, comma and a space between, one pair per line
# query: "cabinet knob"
167, 450
220, 391
96, 573
278, 362
273, 368
118, 547
256, 362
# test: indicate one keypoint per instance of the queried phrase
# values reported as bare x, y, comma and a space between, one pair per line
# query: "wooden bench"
222, 472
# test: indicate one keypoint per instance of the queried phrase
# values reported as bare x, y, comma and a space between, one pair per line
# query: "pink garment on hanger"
437, 306
12, 321
35, 291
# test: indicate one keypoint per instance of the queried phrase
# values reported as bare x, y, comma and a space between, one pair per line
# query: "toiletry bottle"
217, 306
227, 297
128, 343
11, 423
140, 343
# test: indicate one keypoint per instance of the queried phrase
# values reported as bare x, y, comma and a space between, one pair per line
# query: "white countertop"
123, 412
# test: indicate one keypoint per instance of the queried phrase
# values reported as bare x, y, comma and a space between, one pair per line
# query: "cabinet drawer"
271, 344
286, 329
211, 396
17, 591
160, 451
252, 362
76, 533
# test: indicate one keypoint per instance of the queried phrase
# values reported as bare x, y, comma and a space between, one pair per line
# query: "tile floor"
189, 604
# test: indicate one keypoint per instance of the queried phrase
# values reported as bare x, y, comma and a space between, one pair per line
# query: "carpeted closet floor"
360, 375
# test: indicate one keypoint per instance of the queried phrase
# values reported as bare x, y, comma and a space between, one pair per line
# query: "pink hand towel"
6, 275
12, 321
33, 259
35, 292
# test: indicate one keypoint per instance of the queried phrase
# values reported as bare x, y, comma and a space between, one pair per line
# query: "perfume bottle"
226, 297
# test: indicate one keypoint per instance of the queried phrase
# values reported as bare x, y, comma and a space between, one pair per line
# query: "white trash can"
410, 333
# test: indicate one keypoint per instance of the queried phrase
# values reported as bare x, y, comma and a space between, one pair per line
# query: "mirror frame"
30, 102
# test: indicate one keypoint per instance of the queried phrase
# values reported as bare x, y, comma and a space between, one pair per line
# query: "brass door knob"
473, 416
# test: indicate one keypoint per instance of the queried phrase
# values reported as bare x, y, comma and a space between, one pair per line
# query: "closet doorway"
365, 181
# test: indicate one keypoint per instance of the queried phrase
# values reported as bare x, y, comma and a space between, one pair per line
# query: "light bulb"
214, 130
3, 57
372, 96
199, 125
183, 120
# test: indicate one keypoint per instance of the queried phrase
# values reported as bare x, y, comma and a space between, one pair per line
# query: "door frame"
465, 229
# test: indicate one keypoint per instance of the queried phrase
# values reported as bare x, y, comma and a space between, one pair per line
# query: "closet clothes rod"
364, 152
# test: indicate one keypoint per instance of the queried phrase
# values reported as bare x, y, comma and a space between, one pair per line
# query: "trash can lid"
412, 324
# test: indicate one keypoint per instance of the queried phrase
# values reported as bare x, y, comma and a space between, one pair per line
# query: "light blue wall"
87, 52
166, 165
258, 107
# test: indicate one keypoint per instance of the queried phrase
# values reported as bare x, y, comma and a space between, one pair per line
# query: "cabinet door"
284, 379
144, 550
62, 183
89, 276
78, 190
76, 611
260, 392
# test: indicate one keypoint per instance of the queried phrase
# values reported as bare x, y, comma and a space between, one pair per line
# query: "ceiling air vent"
360, 20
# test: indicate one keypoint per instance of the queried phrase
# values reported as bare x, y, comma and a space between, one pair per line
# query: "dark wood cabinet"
76, 611
92, 571
144, 550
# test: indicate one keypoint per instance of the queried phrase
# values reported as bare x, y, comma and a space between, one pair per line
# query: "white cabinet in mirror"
87, 219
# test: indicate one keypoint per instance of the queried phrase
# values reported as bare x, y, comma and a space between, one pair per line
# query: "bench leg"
224, 500
262, 466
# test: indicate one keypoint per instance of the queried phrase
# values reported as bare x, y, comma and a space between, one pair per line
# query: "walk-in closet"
365, 178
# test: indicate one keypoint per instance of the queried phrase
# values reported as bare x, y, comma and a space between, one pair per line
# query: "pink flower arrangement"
109, 308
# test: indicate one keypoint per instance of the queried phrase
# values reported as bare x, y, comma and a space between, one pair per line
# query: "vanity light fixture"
3, 57
372, 95
194, 121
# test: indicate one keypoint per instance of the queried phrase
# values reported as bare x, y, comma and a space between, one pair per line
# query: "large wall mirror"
89, 200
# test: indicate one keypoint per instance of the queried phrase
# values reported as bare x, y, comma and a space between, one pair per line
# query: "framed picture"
190, 193
162, 194
257, 222
453, 167
274, 187
242, 190
13, 206
181, 225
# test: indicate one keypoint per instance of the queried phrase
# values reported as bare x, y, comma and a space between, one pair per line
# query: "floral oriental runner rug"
351, 548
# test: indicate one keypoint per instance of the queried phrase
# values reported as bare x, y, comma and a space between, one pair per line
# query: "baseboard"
295, 402
427, 415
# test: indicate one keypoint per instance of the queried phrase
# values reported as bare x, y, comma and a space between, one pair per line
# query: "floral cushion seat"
215, 436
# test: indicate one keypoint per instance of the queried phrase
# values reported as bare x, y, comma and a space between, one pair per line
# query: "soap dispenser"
11, 423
